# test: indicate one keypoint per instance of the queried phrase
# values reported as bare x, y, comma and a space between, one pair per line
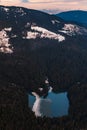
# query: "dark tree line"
25, 70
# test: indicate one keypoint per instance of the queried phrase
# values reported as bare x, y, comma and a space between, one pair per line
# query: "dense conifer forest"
69, 75
15, 113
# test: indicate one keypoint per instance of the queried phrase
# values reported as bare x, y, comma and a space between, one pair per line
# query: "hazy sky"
48, 4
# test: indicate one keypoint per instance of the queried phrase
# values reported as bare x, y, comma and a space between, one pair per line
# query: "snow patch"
46, 81
71, 29
63, 31
6, 9
8, 29
31, 35
36, 95
41, 89
55, 21
50, 89
41, 106
6, 50
44, 33
5, 46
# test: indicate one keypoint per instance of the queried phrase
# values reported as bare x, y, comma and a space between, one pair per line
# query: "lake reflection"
54, 105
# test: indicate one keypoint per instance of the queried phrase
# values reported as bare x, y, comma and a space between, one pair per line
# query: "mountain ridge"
36, 42
77, 16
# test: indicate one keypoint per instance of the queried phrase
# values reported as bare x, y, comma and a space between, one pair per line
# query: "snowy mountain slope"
43, 33
34, 45
72, 29
5, 46
31, 24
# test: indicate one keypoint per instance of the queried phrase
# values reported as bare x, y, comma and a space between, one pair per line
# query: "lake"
54, 105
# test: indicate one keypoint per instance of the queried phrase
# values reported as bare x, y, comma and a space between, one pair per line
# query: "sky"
46, 5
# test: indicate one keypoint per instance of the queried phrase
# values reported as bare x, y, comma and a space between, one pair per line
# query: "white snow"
6, 9
71, 29
41, 106
6, 50
31, 35
36, 95
50, 89
41, 89
8, 29
55, 21
44, 33
63, 31
39, 29
5, 46
47, 81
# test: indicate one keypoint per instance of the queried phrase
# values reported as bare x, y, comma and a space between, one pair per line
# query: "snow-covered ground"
32, 35
71, 29
8, 29
41, 106
6, 9
41, 89
5, 46
55, 21
48, 34
43, 33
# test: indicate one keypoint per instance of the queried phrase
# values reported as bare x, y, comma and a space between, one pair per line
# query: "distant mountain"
51, 11
77, 16
26, 24
35, 45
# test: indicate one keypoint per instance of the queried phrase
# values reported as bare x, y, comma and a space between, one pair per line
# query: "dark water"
54, 105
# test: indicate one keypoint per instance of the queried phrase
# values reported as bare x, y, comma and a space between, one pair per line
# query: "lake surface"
54, 105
